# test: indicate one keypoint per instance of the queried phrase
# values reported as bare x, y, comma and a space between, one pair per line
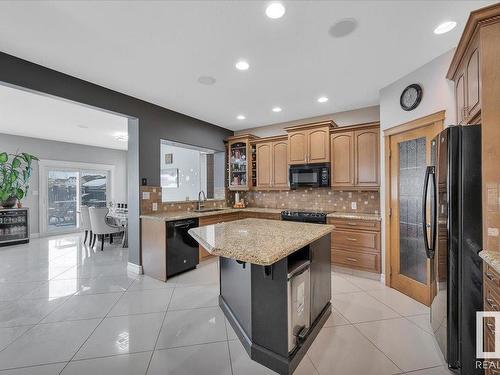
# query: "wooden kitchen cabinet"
355, 157
467, 85
240, 159
475, 71
309, 143
342, 167
214, 219
491, 296
272, 165
356, 244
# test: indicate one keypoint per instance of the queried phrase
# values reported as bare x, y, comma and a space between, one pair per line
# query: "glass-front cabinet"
241, 159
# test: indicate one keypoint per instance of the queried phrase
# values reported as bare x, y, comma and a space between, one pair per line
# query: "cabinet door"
264, 160
472, 89
342, 168
460, 98
280, 165
297, 147
367, 157
319, 145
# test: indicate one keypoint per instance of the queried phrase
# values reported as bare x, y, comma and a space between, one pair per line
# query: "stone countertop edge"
492, 258
281, 249
354, 215
180, 215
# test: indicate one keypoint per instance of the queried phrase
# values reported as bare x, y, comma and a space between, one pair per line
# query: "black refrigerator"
452, 222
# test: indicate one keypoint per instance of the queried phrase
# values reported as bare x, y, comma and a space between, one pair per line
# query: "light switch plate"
155, 206
145, 195
354, 206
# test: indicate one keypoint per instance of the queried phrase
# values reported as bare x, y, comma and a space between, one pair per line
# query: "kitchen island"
275, 285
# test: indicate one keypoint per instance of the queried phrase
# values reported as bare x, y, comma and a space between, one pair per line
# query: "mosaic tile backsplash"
314, 199
318, 199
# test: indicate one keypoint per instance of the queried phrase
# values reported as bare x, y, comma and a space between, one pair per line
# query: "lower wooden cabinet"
491, 295
356, 244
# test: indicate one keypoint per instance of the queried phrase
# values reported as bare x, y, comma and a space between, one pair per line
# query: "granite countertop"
354, 215
492, 258
258, 241
181, 215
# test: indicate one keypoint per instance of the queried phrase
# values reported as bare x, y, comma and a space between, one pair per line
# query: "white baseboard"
34, 235
382, 278
134, 268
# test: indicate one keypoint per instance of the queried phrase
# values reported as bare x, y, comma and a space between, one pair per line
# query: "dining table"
119, 218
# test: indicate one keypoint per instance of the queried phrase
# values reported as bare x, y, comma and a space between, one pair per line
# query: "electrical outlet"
354, 206
155, 206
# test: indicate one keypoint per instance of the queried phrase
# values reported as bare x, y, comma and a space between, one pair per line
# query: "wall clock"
411, 97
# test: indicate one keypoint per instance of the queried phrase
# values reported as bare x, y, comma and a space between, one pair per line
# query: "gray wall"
154, 123
53, 150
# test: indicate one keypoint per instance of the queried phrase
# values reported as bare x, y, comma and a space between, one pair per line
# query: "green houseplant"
15, 174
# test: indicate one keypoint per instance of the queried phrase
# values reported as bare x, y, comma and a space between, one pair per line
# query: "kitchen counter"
258, 241
181, 215
354, 215
492, 258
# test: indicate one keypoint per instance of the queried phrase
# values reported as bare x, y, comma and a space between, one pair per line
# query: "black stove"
304, 216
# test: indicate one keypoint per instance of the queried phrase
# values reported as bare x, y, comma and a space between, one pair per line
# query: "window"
186, 170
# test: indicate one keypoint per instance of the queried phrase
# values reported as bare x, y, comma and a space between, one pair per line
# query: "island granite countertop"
258, 241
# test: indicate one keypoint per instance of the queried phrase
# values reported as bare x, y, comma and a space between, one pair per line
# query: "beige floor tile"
399, 302
361, 307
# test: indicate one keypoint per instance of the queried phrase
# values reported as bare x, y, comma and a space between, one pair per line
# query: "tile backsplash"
315, 199
151, 198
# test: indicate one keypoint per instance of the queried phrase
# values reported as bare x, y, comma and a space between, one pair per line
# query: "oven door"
305, 175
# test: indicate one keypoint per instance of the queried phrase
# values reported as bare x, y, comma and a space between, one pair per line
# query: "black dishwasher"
182, 249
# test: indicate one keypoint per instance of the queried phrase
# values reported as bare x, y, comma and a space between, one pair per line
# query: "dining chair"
100, 225
85, 223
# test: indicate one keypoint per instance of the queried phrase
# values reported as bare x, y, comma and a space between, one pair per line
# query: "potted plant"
15, 174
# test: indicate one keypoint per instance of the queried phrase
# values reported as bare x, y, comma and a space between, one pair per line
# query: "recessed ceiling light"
275, 10
343, 27
276, 109
240, 117
121, 136
445, 27
322, 99
206, 80
82, 126
242, 65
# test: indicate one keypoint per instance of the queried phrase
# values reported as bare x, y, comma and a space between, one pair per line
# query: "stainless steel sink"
209, 209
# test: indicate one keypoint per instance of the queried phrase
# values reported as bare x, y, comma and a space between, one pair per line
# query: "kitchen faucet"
200, 205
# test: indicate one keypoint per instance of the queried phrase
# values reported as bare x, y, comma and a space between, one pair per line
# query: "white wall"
356, 116
438, 95
62, 151
191, 171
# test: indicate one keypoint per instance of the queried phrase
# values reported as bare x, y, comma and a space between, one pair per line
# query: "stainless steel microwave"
309, 175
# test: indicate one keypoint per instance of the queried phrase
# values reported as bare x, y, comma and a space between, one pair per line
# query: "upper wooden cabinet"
475, 67
309, 143
355, 156
272, 166
240, 159
342, 167
467, 85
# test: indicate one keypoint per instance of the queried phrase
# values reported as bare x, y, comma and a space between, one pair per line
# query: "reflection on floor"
68, 309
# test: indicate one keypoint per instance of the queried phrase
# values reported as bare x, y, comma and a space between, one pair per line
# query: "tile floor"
67, 309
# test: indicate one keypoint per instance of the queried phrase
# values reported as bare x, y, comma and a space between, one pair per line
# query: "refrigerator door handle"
430, 172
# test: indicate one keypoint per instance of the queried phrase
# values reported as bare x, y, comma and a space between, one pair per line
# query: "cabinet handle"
491, 277
352, 259
351, 239
491, 303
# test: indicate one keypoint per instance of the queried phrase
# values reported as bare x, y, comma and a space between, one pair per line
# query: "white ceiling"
156, 50
38, 116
